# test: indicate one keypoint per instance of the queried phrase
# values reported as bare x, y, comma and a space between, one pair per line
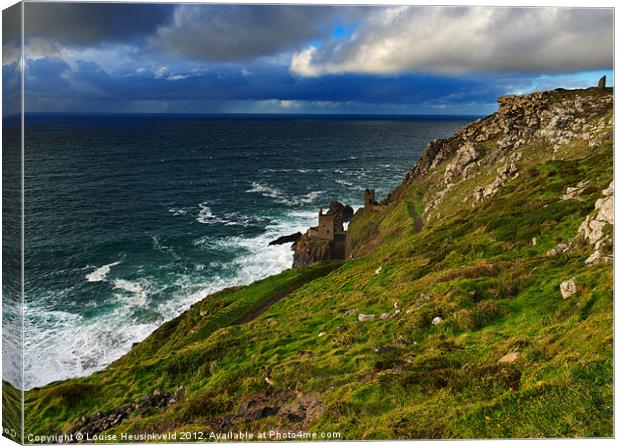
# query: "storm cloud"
239, 33
83, 24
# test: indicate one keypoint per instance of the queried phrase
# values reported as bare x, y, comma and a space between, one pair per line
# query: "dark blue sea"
130, 219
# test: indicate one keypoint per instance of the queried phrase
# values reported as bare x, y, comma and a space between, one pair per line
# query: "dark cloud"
237, 33
87, 83
11, 23
11, 33
83, 24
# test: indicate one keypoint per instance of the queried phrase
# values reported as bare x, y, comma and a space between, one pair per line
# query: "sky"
200, 58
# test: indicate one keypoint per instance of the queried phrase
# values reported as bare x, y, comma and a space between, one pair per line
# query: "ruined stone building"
370, 204
369, 199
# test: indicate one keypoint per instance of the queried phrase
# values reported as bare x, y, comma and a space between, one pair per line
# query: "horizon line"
284, 114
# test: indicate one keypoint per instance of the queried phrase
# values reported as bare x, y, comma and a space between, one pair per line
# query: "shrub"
463, 320
206, 405
487, 310
73, 393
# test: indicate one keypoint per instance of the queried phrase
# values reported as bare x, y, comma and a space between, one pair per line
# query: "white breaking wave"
136, 289
206, 215
101, 273
265, 190
256, 261
66, 345
157, 244
280, 197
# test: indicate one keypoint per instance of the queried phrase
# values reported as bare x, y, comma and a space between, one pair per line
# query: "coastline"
450, 293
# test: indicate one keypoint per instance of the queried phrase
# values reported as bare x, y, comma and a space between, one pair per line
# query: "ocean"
130, 219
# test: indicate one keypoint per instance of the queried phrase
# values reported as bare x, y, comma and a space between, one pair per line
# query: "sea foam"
100, 273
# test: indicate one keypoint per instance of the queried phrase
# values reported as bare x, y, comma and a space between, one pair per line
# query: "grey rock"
568, 288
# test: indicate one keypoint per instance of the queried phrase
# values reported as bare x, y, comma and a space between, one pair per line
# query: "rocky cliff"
553, 117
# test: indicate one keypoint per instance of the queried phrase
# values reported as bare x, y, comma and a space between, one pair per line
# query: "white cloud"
452, 40
177, 77
288, 104
161, 72
35, 49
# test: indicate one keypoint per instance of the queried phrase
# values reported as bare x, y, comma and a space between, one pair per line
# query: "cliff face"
309, 250
554, 117
478, 304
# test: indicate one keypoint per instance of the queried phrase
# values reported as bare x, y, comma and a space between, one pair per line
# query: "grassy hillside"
456, 329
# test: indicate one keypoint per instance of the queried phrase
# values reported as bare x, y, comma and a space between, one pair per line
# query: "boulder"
578, 189
509, 358
568, 288
365, 317
560, 248
437, 320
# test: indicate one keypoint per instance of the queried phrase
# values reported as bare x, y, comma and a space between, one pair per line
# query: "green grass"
11, 412
475, 267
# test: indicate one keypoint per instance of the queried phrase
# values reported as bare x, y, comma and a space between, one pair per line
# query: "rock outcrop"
581, 188
308, 250
551, 116
554, 118
286, 239
504, 173
457, 167
100, 422
596, 228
